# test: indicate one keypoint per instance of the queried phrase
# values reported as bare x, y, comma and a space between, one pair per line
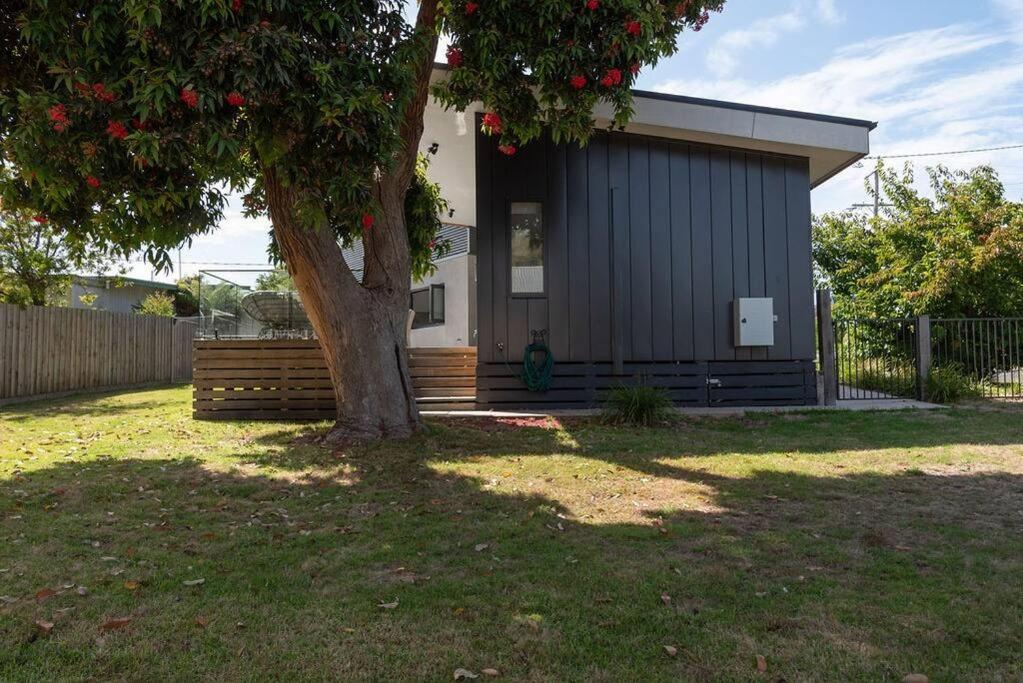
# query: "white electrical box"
754, 322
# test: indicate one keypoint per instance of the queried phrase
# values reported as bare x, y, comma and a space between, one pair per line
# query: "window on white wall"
428, 306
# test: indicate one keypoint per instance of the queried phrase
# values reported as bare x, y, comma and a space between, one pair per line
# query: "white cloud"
958, 87
880, 78
723, 56
828, 12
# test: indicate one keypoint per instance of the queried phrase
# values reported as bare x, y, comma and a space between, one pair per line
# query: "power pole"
877, 205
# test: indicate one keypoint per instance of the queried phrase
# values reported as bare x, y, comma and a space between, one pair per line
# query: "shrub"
157, 304
951, 384
641, 406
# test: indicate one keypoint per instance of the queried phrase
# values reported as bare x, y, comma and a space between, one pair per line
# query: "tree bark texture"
361, 330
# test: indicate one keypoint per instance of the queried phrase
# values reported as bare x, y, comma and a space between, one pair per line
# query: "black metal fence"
981, 357
876, 359
944, 360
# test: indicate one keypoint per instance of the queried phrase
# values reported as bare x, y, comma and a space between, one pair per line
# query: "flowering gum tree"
126, 121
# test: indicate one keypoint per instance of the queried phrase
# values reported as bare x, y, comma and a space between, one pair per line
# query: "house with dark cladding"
675, 252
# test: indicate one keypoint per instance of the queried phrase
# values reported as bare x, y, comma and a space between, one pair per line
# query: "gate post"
923, 355
826, 335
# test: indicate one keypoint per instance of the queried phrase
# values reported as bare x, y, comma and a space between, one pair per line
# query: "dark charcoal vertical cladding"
740, 237
621, 248
556, 256
648, 242
662, 316
486, 207
776, 257
721, 247
598, 232
638, 227
755, 235
702, 255
801, 311
578, 256
681, 253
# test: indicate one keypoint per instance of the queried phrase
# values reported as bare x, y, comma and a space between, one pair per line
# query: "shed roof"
121, 281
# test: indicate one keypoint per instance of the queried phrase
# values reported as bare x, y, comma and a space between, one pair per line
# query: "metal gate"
981, 357
876, 359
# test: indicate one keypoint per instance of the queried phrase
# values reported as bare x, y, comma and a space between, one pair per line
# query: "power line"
202, 263
944, 154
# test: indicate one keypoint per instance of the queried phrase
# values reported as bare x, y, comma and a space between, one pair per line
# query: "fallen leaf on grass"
388, 605
761, 664
131, 585
194, 582
44, 594
670, 650
493, 673
480, 547
115, 623
464, 674
44, 626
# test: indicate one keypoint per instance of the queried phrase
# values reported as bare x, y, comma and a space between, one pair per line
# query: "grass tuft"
639, 406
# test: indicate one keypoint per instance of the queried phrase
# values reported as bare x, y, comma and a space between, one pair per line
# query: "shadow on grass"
840, 578
692, 436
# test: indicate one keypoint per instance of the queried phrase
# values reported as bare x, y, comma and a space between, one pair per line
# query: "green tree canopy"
276, 280
37, 260
127, 122
958, 254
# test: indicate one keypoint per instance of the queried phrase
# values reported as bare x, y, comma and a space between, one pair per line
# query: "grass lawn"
837, 546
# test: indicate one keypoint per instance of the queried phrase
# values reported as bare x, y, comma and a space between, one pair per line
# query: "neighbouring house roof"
831, 143
107, 281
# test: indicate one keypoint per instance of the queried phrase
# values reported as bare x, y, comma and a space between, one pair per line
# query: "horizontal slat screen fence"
281, 379
47, 351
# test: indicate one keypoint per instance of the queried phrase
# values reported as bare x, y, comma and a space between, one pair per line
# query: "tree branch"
387, 260
427, 33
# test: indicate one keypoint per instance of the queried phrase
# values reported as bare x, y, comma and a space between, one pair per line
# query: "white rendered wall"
458, 277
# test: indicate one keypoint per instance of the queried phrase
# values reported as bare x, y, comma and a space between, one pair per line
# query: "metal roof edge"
738, 106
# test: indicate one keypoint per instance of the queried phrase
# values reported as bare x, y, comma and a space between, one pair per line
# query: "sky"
937, 76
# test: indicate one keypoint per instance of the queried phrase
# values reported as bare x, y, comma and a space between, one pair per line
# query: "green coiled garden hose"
537, 377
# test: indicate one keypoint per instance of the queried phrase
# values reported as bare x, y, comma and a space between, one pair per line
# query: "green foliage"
211, 296
277, 280
957, 255
143, 114
157, 303
640, 406
539, 63
126, 121
951, 384
37, 260
424, 207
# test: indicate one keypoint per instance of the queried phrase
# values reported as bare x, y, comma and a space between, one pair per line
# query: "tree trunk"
361, 329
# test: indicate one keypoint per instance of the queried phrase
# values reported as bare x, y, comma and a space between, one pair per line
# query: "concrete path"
855, 405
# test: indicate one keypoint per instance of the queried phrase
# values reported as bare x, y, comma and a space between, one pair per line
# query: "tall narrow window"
527, 275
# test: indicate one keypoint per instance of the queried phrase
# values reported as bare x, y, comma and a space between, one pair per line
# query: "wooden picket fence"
52, 351
282, 379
